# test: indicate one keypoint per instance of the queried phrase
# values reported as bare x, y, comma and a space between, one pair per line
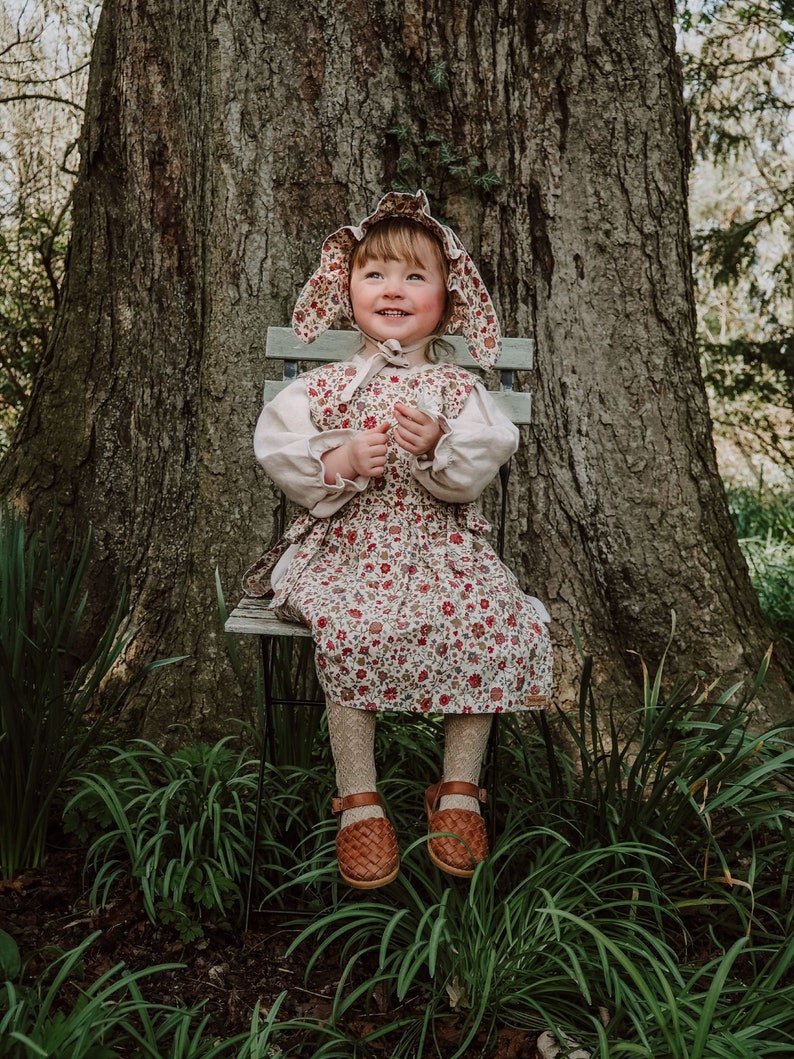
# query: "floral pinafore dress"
409, 607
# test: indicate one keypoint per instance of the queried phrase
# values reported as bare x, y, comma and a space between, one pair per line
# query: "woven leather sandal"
448, 852
366, 851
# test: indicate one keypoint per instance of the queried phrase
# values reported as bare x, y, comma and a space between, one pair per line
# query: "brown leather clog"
450, 852
366, 851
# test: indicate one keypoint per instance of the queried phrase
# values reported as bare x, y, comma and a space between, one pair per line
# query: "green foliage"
110, 1010
750, 386
686, 780
178, 825
43, 78
494, 952
428, 160
669, 773
569, 946
763, 371
428, 157
737, 65
637, 898
764, 522
9, 957
737, 61
762, 512
735, 56
32, 255
438, 74
50, 710
110, 1017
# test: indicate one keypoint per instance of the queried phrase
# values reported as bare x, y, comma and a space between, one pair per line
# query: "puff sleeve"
289, 446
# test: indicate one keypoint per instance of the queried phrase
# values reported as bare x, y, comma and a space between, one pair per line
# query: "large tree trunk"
222, 144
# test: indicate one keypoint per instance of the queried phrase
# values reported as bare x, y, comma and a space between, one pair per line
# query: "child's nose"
394, 288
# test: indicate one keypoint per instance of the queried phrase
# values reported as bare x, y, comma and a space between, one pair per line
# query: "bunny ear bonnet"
326, 295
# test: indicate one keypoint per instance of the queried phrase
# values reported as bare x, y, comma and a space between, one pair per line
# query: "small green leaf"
10, 962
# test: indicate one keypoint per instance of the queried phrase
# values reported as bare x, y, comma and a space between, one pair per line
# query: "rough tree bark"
223, 141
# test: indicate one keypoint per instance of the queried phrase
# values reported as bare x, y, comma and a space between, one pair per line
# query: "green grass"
637, 899
49, 679
111, 1016
637, 902
764, 520
179, 828
53, 706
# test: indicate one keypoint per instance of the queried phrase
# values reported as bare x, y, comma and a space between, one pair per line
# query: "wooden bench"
253, 616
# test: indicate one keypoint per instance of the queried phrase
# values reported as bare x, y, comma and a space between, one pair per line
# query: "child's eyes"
375, 273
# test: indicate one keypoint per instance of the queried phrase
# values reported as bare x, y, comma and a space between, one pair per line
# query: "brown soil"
46, 913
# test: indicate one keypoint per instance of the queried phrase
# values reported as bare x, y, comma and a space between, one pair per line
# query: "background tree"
738, 61
44, 50
215, 156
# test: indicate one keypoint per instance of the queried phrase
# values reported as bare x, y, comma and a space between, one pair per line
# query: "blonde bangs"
396, 239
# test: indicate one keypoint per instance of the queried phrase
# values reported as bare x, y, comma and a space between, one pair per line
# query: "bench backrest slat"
517, 355
282, 344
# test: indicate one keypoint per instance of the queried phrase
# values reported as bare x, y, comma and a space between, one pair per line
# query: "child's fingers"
377, 435
414, 436
407, 414
414, 443
368, 451
407, 431
377, 442
416, 427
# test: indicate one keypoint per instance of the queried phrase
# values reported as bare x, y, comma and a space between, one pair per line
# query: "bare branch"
44, 97
45, 80
16, 44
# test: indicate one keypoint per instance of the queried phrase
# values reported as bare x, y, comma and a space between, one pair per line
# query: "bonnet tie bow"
389, 352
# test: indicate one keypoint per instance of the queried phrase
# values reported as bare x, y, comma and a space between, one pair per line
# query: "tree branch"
42, 96
45, 80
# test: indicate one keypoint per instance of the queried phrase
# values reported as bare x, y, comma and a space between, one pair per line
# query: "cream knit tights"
352, 735
465, 742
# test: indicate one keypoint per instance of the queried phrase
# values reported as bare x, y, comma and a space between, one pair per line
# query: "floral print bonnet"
325, 296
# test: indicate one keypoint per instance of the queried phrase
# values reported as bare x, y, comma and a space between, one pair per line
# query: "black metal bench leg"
268, 744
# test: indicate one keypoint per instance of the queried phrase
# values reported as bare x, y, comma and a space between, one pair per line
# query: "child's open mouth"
392, 312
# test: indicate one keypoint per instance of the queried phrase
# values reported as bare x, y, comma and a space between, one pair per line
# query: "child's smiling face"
398, 298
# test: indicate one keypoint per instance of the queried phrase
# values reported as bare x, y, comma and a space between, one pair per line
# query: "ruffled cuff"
342, 489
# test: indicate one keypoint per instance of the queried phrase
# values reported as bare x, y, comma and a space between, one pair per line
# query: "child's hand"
367, 451
417, 432
364, 455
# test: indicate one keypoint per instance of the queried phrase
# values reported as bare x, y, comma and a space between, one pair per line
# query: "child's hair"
399, 239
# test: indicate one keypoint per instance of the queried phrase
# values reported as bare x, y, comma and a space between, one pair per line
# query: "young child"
409, 607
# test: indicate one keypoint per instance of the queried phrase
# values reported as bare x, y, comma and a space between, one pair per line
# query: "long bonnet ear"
325, 294
473, 313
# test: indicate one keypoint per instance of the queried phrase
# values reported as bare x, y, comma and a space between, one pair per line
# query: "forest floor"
47, 914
